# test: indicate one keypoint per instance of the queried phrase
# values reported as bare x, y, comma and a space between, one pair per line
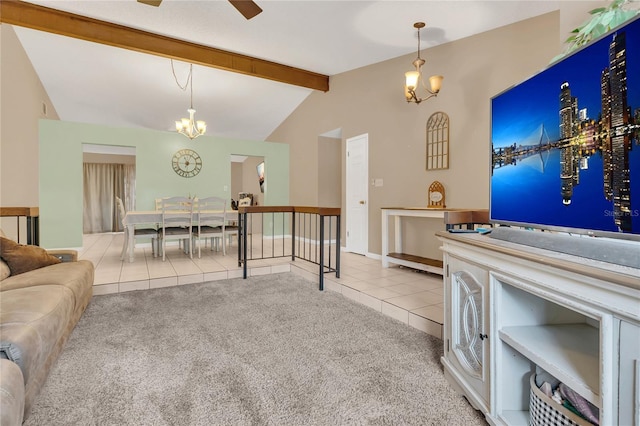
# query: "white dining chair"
177, 223
137, 232
158, 203
230, 228
210, 213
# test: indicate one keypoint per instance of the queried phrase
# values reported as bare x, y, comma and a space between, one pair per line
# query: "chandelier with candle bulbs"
413, 79
190, 127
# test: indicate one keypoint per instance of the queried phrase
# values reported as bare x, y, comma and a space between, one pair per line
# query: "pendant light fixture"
189, 126
414, 78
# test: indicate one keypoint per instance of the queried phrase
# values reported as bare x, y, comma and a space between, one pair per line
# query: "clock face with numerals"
186, 163
435, 196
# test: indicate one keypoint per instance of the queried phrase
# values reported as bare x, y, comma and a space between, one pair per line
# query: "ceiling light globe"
411, 79
436, 83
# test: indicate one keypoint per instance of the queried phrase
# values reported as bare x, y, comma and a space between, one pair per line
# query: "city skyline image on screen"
565, 144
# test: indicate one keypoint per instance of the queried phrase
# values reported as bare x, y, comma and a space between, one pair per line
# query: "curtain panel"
102, 183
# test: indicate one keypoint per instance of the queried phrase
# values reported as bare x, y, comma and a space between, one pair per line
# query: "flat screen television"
565, 143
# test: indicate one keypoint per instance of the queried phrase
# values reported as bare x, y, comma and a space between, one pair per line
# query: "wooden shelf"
416, 262
417, 259
569, 352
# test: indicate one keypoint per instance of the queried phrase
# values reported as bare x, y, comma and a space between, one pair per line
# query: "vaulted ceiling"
240, 64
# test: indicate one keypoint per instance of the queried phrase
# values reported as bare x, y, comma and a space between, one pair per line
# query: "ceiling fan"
248, 8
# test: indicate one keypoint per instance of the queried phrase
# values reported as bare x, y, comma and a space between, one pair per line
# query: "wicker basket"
544, 411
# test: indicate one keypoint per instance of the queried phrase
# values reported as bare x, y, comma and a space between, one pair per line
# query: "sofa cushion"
23, 258
4, 270
76, 276
32, 321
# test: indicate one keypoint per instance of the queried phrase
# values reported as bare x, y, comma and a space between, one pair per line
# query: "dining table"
154, 217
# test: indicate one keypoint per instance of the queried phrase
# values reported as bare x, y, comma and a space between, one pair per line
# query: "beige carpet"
269, 350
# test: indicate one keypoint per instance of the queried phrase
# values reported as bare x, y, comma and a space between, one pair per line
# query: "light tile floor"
413, 297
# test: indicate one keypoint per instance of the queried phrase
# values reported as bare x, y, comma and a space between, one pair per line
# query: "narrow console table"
399, 257
32, 214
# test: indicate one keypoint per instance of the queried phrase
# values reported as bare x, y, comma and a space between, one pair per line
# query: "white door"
358, 194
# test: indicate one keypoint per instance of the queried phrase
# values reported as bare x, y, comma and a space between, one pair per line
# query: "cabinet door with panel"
629, 374
466, 355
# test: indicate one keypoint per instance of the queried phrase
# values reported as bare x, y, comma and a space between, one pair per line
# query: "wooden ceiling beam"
42, 18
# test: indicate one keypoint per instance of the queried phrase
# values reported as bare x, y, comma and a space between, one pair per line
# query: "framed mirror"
438, 141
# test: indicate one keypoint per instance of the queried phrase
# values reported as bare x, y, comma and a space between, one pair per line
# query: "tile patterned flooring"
413, 297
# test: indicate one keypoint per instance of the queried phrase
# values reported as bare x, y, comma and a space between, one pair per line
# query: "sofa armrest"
11, 393
65, 255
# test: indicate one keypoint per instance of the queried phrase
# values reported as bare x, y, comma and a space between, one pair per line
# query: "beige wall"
236, 179
21, 106
330, 172
370, 100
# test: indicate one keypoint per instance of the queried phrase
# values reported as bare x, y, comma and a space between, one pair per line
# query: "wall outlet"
225, 188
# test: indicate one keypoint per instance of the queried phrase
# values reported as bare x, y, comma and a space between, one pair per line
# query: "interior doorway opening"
108, 172
248, 176
249, 182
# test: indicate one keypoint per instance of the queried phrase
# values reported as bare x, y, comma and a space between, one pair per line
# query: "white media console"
511, 309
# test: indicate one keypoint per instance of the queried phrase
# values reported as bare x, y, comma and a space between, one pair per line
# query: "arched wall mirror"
438, 141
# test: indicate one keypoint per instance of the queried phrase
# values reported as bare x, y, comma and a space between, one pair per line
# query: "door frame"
348, 188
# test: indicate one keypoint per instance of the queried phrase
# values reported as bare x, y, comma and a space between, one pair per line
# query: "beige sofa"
38, 310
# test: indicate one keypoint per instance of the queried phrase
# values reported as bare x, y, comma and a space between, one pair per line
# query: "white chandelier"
414, 78
189, 126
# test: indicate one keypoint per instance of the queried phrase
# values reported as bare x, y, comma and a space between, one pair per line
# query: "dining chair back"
177, 222
137, 232
158, 203
121, 211
230, 227
210, 213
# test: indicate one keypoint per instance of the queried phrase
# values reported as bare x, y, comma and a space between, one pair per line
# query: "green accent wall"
61, 186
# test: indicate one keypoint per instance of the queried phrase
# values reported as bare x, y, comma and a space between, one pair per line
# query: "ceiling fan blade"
155, 3
248, 8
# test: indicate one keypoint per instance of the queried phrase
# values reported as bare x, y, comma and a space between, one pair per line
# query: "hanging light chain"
419, 43
183, 88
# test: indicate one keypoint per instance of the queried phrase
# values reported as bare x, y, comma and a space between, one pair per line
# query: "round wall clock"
186, 163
